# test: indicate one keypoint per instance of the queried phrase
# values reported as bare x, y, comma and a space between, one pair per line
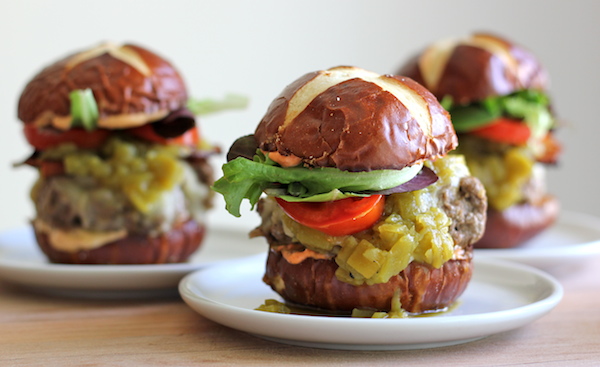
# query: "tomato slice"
505, 130
339, 217
189, 138
44, 138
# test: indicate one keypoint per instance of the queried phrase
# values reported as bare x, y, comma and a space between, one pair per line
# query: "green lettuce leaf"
327, 196
528, 105
247, 179
208, 105
467, 118
536, 116
84, 110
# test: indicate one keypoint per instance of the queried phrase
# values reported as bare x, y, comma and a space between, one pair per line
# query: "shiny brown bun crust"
313, 283
512, 227
355, 120
171, 247
126, 80
480, 66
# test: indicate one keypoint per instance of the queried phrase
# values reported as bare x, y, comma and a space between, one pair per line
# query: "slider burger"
363, 206
496, 94
124, 176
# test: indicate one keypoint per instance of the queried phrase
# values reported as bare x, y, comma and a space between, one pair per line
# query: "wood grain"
44, 330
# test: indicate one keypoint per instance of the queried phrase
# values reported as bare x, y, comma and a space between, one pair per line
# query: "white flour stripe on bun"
434, 59
414, 102
123, 53
494, 46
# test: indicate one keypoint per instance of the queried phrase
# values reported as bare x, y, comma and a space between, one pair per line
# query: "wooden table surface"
47, 330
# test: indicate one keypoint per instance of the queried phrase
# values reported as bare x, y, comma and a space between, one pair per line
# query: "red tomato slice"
339, 217
505, 130
44, 138
146, 132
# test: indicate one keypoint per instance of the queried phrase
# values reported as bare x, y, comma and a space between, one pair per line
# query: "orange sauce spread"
284, 160
296, 257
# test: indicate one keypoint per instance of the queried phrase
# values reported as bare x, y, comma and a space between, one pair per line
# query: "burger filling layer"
431, 225
126, 187
509, 173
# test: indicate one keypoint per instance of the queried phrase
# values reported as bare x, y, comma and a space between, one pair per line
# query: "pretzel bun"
356, 120
107, 200
476, 67
512, 227
131, 85
470, 70
173, 246
324, 118
422, 288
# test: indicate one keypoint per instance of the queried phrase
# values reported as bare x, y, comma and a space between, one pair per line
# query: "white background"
257, 47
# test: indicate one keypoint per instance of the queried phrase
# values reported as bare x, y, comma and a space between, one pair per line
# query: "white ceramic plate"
574, 238
501, 296
22, 262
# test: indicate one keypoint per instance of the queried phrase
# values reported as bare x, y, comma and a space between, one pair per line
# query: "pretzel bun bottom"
170, 247
312, 283
517, 224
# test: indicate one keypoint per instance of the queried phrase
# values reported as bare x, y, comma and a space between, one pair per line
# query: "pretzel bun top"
131, 85
476, 67
356, 120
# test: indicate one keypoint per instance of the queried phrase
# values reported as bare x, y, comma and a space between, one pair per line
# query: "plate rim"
11, 262
576, 250
24, 271
530, 311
